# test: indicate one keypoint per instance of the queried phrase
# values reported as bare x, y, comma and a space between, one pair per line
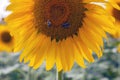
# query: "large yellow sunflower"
115, 12
6, 39
60, 32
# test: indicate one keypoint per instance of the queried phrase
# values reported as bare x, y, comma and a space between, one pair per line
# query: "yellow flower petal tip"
118, 48
114, 3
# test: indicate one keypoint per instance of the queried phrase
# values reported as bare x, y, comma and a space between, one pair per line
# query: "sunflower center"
6, 37
56, 12
116, 13
58, 19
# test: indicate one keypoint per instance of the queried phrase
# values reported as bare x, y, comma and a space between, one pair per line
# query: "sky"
3, 12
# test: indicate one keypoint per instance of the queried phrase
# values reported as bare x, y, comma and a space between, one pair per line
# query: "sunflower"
115, 12
6, 39
118, 48
113, 3
59, 32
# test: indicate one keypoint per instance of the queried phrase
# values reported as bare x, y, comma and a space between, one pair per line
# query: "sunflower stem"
59, 75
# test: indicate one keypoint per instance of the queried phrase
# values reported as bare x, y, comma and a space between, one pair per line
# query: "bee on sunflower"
6, 39
59, 32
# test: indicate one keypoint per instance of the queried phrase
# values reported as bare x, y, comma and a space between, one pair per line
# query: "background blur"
105, 68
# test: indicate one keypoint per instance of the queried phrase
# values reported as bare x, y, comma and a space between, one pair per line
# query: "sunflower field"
59, 39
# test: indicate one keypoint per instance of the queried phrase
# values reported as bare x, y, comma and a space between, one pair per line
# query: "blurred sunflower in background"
115, 12
113, 3
118, 48
6, 39
60, 32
